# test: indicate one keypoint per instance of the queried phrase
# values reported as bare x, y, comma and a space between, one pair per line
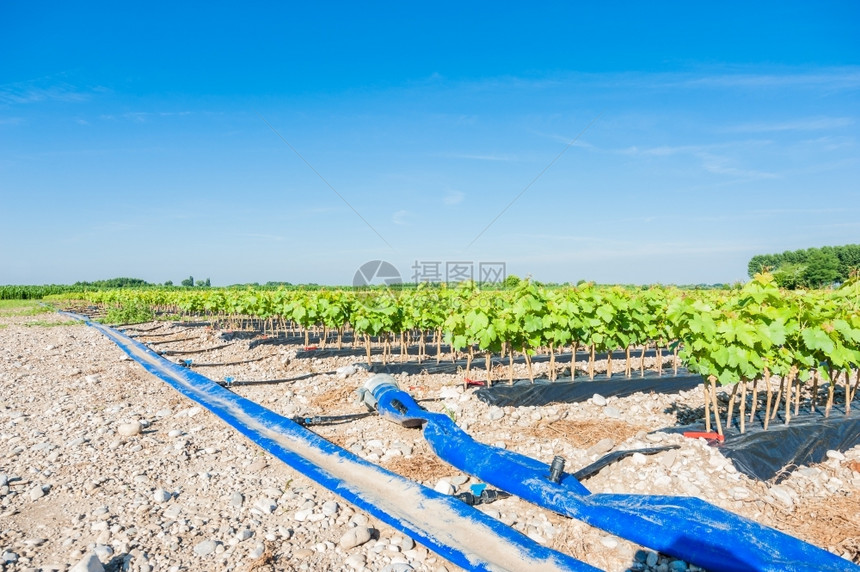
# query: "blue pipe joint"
385, 395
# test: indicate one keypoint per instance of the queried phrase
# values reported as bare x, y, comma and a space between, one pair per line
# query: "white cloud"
808, 124
37, 91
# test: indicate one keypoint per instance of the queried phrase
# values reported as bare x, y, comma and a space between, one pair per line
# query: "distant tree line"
189, 282
809, 268
114, 283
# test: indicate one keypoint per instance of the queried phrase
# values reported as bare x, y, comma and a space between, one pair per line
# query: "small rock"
257, 466
833, 454
8, 557
444, 487
244, 534
651, 559
356, 561
257, 552
398, 567
612, 413
609, 541
329, 508
303, 553
598, 400
37, 492
206, 547
129, 429
92, 379
161, 496
355, 537
458, 480
236, 499
89, 563
654, 437
495, 413
782, 495
266, 505
678, 566
639, 459
345, 371
602, 446
103, 552
303, 515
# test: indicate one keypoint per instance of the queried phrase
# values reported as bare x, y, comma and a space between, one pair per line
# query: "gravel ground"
103, 466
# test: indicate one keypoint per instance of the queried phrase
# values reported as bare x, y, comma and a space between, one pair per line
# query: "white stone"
781, 494
609, 541
598, 400
89, 563
206, 547
355, 537
129, 429
444, 487
833, 454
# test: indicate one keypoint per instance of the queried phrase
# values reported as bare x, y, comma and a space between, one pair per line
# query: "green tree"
790, 275
822, 269
511, 281
188, 281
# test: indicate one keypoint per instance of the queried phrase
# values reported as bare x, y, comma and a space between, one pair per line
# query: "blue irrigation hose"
458, 532
683, 527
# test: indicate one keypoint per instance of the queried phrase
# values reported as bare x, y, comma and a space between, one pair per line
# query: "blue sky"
135, 140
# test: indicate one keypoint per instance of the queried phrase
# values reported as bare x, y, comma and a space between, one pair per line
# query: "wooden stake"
591, 364
716, 405
608, 364
731, 406
769, 397
529, 364
797, 397
707, 395
754, 401
627, 370
814, 400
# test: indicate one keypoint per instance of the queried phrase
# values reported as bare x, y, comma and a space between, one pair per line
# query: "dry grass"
423, 468
832, 522
583, 434
333, 398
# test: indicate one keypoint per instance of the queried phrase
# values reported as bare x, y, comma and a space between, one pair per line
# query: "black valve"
555, 469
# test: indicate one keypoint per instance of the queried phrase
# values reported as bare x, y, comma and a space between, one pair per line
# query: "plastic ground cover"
543, 392
774, 454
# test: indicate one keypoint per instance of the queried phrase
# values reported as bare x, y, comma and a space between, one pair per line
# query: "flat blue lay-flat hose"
683, 527
445, 525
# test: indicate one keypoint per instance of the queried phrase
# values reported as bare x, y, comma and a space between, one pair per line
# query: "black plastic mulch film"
759, 454
775, 453
543, 392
